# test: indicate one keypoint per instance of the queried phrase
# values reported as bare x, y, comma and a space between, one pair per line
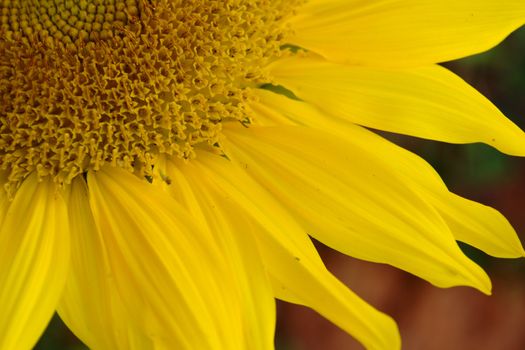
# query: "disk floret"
83, 83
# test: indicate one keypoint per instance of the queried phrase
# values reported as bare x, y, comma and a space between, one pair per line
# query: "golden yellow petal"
429, 102
4, 201
473, 223
403, 32
296, 270
353, 202
168, 271
226, 223
90, 304
34, 258
478, 225
298, 280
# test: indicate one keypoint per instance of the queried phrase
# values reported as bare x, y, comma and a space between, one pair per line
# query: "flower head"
164, 162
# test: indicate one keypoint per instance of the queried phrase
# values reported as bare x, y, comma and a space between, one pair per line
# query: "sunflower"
165, 162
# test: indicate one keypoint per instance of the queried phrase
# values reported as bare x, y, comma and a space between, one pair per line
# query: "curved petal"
429, 102
354, 203
169, 272
294, 266
478, 225
470, 222
34, 258
403, 32
225, 222
90, 304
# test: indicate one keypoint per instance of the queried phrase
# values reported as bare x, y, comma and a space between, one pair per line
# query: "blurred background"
430, 318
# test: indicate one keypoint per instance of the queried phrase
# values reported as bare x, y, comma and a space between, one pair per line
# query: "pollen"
84, 83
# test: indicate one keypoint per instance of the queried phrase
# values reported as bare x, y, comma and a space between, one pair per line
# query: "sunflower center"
67, 20
83, 83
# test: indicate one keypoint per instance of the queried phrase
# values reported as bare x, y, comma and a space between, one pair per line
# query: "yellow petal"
403, 32
168, 271
4, 201
297, 271
429, 102
478, 225
90, 304
34, 258
354, 203
470, 222
225, 222
297, 280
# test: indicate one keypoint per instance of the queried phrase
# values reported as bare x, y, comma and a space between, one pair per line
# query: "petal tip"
469, 274
395, 338
508, 138
482, 283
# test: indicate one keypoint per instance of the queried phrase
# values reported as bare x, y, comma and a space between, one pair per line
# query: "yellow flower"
159, 190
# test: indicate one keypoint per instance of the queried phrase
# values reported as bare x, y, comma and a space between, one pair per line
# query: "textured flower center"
83, 83
66, 20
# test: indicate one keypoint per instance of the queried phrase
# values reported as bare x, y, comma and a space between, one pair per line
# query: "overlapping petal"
403, 32
4, 200
34, 257
213, 209
471, 222
169, 273
297, 278
429, 102
321, 178
297, 272
90, 304
193, 260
